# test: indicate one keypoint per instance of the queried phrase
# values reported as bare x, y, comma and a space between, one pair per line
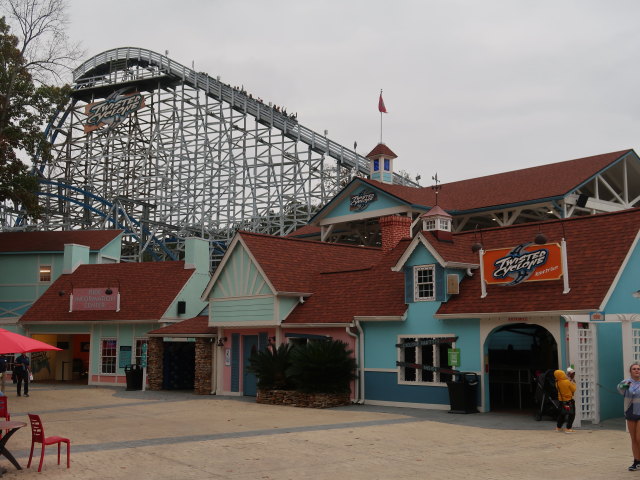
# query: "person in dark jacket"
21, 371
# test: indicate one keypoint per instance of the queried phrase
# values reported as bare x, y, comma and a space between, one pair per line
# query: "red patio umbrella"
15, 343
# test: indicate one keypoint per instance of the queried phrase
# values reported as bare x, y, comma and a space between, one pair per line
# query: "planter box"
299, 399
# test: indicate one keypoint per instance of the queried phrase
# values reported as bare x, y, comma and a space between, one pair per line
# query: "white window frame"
444, 224
42, 268
103, 357
435, 361
139, 341
416, 284
429, 224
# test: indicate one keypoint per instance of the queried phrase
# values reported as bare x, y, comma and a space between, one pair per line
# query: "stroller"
546, 396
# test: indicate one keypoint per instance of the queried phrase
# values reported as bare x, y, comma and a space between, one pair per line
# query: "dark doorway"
178, 365
517, 353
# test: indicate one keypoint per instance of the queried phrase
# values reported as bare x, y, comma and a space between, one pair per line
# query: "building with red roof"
584, 186
501, 304
99, 312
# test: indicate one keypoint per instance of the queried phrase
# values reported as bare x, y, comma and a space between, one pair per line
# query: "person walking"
21, 370
566, 388
630, 388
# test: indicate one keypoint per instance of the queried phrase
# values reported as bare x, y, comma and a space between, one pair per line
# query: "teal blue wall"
239, 277
383, 201
190, 294
286, 305
243, 310
381, 351
622, 299
610, 369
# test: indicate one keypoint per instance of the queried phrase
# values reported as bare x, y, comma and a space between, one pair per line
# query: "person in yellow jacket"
566, 388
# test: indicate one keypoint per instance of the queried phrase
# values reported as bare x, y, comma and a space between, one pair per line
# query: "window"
429, 351
376, 165
139, 343
108, 355
429, 225
386, 164
45, 273
444, 224
424, 287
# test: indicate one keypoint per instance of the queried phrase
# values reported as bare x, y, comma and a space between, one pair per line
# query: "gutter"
533, 313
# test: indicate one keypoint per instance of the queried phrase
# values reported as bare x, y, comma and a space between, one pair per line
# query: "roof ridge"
304, 240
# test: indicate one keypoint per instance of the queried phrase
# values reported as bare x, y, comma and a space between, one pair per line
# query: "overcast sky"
471, 87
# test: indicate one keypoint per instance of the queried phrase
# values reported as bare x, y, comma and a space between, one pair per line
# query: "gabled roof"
519, 186
191, 327
147, 289
338, 297
15, 242
597, 246
290, 263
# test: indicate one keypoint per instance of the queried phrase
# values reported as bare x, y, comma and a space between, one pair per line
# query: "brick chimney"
394, 228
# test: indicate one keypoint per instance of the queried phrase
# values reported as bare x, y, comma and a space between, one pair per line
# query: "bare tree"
41, 29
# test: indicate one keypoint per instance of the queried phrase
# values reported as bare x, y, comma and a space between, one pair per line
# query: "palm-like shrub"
271, 366
322, 367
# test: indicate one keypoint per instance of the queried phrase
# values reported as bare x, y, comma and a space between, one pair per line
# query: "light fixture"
476, 247
108, 291
61, 293
221, 341
540, 238
636, 294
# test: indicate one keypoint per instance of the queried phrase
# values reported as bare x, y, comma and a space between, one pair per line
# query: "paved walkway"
139, 435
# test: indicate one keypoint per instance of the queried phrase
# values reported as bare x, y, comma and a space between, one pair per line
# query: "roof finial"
436, 188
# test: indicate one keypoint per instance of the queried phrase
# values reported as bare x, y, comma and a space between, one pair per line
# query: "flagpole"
380, 118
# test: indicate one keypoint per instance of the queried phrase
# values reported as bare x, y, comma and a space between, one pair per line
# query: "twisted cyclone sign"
525, 263
112, 110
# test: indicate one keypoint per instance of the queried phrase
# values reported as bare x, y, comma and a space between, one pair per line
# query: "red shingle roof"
338, 297
196, 326
304, 258
596, 247
13, 242
146, 291
524, 185
381, 149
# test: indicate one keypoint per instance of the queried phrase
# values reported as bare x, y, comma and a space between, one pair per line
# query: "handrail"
239, 101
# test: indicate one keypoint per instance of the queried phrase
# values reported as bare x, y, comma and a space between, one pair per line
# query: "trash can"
463, 390
134, 377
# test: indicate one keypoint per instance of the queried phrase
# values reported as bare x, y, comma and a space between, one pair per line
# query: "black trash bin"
134, 377
463, 392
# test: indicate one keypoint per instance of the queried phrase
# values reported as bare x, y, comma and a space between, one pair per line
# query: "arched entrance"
516, 353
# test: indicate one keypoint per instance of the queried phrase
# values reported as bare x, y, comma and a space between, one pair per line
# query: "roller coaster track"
201, 158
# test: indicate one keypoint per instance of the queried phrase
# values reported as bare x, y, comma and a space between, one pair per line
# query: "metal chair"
37, 436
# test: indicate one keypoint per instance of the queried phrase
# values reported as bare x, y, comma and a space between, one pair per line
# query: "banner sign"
112, 110
527, 262
94, 299
453, 357
362, 200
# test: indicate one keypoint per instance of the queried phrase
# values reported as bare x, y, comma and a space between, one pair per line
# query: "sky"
471, 87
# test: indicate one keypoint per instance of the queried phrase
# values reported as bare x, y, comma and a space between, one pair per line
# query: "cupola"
437, 221
381, 163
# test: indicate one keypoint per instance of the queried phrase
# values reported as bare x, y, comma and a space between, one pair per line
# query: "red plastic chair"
4, 410
37, 436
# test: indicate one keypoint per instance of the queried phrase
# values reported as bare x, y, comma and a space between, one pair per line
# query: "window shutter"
441, 284
408, 285
235, 362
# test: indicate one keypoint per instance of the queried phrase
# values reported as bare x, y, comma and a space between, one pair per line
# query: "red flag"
381, 107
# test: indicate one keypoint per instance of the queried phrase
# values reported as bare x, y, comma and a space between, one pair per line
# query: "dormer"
437, 221
381, 163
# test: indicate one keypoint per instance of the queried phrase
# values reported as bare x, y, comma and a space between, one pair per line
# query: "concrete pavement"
117, 434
